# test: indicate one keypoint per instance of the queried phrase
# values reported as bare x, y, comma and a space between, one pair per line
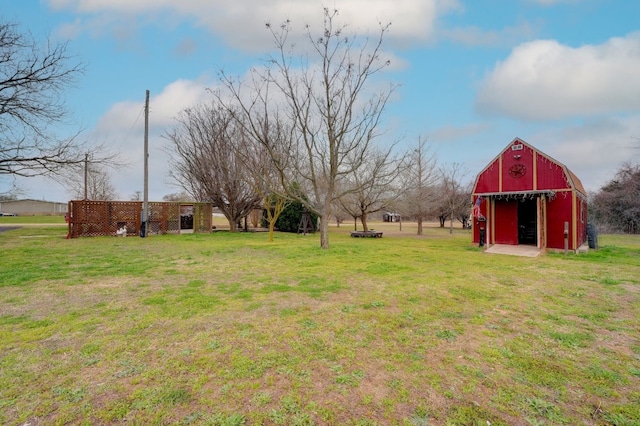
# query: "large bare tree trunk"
277, 203
324, 234
324, 223
451, 223
363, 219
272, 227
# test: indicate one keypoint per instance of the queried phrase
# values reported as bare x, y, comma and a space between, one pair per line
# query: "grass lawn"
229, 329
31, 220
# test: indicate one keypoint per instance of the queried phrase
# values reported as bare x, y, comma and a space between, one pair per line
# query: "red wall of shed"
558, 212
521, 159
488, 179
550, 175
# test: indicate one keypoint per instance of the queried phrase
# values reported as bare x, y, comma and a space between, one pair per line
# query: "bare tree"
420, 179
33, 79
617, 204
441, 209
324, 95
339, 214
374, 187
178, 196
204, 145
263, 173
463, 210
347, 205
440, 205
459, 201
454, 195
94, 185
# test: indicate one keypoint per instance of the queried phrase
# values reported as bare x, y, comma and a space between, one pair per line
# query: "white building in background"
29, 207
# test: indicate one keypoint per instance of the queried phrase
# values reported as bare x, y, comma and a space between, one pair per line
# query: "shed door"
506, 223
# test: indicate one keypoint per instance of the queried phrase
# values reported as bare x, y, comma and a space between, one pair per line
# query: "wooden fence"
95, 218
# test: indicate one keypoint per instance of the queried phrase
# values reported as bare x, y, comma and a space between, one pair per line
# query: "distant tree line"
616, 207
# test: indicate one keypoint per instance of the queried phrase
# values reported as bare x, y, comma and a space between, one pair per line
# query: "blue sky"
563, 75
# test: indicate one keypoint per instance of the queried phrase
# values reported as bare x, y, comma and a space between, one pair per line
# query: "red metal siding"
558, 212
517, 168
506, 222
551, 175
488, 179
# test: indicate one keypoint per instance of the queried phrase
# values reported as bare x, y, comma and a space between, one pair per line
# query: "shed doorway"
527, 221
186, 218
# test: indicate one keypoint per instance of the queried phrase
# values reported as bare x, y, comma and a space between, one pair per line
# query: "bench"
366, 234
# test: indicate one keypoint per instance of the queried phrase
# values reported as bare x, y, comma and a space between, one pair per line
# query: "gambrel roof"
522, 168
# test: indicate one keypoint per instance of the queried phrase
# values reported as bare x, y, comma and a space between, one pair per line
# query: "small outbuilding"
523, 196
391, 217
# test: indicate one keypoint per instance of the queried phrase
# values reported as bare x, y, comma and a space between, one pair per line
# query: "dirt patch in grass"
5, 228
46, 299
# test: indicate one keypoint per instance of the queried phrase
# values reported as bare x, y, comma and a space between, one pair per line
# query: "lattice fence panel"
91, 218
164, 218
202, 217
124, 213
95, 218
172, 213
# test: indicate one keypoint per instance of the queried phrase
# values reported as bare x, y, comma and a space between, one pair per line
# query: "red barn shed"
526, 197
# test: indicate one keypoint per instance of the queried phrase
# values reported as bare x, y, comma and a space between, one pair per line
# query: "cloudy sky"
563, 75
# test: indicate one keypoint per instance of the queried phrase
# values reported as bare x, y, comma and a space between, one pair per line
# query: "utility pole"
86, 174
145, 202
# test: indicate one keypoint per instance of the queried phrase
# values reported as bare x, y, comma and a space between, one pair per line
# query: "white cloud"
545, 80
593, 150
477, 36
163, 107
123, 128
241, 22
